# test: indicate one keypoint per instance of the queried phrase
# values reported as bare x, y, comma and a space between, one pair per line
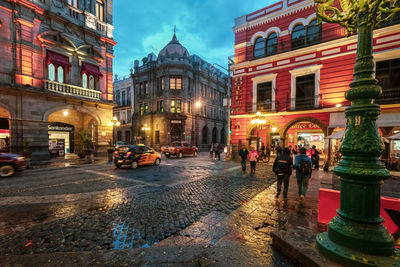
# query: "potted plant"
87, 144
110, 150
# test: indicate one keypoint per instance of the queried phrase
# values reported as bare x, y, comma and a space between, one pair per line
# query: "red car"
180, 149
9, 163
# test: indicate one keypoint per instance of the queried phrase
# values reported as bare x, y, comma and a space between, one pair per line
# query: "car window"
185, 144
147, 150
123, 148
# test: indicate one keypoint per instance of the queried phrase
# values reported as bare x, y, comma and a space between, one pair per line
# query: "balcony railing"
304, 103
261, 107
389, 96
72, 90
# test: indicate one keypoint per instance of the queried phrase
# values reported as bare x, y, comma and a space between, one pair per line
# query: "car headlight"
20, 158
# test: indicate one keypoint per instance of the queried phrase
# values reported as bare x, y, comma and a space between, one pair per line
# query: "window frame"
99, 10
257, 42
274, 45
173, 83
296, 43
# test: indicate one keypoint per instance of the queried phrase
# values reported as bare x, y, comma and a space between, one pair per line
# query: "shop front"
61, 139
306, 134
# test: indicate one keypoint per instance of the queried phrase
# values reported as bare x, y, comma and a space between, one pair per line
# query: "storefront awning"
58, 59
91, 69
384, 120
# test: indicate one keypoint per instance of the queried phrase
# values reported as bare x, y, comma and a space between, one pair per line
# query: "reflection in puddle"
125, 237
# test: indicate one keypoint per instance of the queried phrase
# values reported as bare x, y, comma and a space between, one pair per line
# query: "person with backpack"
243, 153
253, 156
303, 166
283, 169
219, 151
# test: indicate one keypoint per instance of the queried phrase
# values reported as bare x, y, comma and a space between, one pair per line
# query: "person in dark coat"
243, 153
303, 166
282, 167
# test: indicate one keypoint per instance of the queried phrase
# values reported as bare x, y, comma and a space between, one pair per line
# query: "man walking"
303, 166
243, 153
282, 167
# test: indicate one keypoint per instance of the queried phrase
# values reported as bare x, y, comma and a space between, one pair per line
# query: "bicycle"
265, 157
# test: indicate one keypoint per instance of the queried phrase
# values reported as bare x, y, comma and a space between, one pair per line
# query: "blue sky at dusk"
204, 27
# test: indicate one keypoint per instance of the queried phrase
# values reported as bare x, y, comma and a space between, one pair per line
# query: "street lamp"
197, 105
356, 235
258, 122
113, 122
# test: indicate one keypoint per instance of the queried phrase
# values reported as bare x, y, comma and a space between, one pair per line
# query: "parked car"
135, 156
9, 163
180, 149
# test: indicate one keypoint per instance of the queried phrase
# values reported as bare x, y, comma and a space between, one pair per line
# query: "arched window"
60, 74
100, 10
91, 82
313, 32
204, 137
84, 81
298, 36
259, 47
214, 135
52, 72
272, 44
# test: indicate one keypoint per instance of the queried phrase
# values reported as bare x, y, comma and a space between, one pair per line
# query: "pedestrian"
243, 153
215, 149
295, 150
211, 149
219, 151
303, 166
315, 157
282, 167
253, 156
278, 150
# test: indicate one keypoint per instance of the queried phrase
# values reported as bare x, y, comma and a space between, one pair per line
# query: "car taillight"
116, 153
128, 154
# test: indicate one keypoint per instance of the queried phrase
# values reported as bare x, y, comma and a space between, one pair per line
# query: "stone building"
178, 96
123, 95
56, 75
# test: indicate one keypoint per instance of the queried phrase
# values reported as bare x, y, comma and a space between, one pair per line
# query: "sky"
204, 27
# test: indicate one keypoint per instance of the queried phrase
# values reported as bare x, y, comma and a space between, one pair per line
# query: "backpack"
305, 167
282, 166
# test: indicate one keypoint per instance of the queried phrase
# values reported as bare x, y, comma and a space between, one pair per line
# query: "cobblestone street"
190, 202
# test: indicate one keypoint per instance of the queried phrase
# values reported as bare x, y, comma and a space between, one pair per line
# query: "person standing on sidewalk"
282, 167
211, 149
253, 156
303, 166
243, 153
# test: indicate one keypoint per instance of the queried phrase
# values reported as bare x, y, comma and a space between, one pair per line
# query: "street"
92, 207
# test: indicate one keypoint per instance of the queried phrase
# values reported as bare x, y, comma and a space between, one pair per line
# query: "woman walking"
253, 156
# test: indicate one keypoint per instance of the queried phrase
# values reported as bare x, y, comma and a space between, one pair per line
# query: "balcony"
261, 107
304, 103
71, 90
389, 96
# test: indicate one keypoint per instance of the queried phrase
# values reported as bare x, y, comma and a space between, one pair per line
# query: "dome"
174, 48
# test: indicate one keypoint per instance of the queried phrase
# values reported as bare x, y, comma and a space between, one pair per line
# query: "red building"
291, 73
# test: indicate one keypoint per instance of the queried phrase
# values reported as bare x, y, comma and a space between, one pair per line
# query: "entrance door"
175, 134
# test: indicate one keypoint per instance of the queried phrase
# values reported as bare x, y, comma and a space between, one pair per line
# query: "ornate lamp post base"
346, 256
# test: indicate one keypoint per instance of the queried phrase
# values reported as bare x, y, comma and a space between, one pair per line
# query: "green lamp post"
356, 235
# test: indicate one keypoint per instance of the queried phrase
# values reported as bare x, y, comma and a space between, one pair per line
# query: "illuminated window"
259, 47
173, 106
100, 10
84, 80
175, 83
178, 106
60, 74
189, 107
162, 84
141, 109
52, 72
73, 3
91, 82
146, 108
272, 44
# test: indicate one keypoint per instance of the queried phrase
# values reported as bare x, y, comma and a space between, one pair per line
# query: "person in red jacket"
253, 156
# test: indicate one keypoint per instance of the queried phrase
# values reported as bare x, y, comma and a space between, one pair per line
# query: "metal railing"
261, 107
304, 103
72, 90
389, 96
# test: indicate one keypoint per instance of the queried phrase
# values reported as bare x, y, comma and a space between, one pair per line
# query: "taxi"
135, 156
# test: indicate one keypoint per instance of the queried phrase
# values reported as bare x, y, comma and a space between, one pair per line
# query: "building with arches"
178, 97
291, 72
56, 76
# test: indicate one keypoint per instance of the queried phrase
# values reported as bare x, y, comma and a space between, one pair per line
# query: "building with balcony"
294, 72
55, 75
178, 97
123, 97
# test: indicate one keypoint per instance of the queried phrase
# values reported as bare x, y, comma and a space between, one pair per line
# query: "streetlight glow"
198, 104
118, 123
258, 113
65, 112
115, 118
274, 129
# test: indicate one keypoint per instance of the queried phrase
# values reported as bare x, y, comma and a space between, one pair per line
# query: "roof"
174, 48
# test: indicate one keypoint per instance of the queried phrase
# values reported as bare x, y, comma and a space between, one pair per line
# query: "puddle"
125, 237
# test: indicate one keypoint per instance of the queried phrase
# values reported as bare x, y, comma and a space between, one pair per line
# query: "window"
272, 44
388, 75
162, 83
52, 72
305, 91
214, 113
313, 33
60, 74
259, 46
298, 36
123, 98
145, 88
161, 106
146, 108
128, 96
157, 137
264, 96
116, 98
204, 139
84, 80
175, 83
141, 109
100, 10
173, 106
119, 136
189, 107
91, 82
73, 3
128, 136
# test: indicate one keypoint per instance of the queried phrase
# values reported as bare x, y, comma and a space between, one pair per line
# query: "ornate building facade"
178, 97
56, 75
294, 72
123, 97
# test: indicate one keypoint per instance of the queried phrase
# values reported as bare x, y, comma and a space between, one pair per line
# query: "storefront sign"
305, 126
176, 121
60, 128
3, 131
